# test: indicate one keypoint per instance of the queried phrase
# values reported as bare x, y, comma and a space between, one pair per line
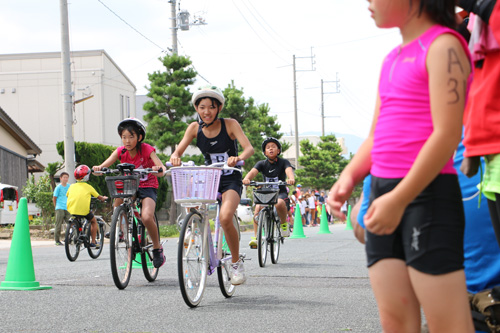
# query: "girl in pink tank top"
415, 221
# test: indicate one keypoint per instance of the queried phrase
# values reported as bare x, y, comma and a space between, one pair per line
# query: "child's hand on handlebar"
290, 181
246, 181
176, 161
232, 160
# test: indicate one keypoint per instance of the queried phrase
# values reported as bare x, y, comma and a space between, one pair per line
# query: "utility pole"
173, 25
337, 81
69, 143
297, 148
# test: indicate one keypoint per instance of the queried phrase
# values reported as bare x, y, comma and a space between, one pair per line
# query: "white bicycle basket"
195, 184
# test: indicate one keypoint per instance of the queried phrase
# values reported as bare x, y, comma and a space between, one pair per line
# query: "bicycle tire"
149, 270
226, 287
275, 235
120, 247
71, 241
262, 236
192, 259
95, 252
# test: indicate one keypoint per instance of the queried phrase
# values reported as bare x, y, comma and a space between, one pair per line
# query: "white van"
9, 201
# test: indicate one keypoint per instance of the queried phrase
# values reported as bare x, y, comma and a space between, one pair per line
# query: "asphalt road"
319, 285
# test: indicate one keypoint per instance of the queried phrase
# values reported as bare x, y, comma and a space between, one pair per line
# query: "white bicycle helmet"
212, 92
141, 129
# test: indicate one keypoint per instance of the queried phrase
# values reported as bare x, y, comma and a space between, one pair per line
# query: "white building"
31, 94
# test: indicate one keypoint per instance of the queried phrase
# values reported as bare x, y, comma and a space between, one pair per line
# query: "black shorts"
231, 183
147, 192
430, 235
284, 196
89, 216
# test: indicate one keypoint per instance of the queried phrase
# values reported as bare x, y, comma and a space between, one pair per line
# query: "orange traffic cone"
20, 273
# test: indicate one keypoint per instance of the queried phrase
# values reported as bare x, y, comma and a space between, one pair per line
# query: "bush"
169, 231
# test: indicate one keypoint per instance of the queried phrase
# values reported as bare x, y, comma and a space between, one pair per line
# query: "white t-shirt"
311, 203
303, 206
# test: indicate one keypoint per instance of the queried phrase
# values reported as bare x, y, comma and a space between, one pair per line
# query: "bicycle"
269, 238
128, 236
78, 235
199, 252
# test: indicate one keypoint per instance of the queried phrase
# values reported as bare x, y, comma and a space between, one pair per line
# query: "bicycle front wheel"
120, 247
275, 236
150, 272
192, 259
262, 236
226, 287
95, 252
71, 241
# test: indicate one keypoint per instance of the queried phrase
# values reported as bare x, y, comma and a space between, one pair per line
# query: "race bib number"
272, 180
221, 157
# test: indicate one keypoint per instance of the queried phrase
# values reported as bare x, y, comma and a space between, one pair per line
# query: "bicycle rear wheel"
71, 241
226, 287
95, 252
262, 236
192, 259
120, 247
275, 236
150, 272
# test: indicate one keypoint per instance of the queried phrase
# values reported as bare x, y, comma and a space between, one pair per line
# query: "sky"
249, 42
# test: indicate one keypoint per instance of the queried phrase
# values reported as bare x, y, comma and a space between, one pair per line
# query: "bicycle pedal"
164, 241
253, 246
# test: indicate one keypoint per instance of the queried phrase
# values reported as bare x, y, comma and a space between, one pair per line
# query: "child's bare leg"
444, 300
93, 229
230, 201
147, 217
398, 307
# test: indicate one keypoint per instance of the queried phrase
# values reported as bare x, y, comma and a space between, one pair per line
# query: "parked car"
9, 200
245, 211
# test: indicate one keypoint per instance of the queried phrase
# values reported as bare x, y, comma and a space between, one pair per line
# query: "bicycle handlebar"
254, 183
106, 171
214, 165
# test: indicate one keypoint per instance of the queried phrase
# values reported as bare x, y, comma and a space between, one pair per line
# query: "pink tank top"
405, 121
141, 160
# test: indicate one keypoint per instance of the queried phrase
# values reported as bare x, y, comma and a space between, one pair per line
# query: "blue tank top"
218, 148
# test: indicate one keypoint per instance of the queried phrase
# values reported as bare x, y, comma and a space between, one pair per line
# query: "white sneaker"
285, 231
238, 273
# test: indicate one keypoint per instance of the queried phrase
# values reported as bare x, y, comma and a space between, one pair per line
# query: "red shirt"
141, 160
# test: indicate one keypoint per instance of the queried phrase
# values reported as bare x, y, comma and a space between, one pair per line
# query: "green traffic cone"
323, 224
348, 225
20, 273
298, 229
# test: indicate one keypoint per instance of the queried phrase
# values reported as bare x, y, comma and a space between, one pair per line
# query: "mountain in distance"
351, 141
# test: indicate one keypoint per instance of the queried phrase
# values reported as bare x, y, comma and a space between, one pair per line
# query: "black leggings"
494, 207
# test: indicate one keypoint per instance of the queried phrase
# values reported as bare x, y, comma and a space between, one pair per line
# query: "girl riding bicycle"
273, 169
132, 132
217, 139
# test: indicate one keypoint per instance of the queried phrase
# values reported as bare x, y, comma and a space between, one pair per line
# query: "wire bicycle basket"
122, 186
195, 184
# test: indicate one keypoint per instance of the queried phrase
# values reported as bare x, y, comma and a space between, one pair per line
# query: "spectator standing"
60, 200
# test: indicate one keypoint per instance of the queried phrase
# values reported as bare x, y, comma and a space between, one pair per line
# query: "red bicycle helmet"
82, 173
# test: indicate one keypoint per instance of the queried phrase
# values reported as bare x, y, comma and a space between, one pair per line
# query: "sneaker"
158, 257
94, 245
238, 273
285, 232
106, 235
253, 242
59, 244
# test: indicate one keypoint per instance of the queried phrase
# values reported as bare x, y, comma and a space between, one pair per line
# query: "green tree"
170, 111
255, 121
51, 170
321, 164
41, 193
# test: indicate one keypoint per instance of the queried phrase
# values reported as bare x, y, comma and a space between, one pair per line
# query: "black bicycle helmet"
141, 129
270, 139
212, 92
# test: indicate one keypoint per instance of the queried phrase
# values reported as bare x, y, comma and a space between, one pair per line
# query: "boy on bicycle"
273, 169
79, 199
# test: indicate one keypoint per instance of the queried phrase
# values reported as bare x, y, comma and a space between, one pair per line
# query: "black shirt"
274, 172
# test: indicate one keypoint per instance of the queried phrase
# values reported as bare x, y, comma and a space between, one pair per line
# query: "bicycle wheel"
150, 272
95, 252
275, 237
226, 287
192, 259
71, 241
262, 235
120, 247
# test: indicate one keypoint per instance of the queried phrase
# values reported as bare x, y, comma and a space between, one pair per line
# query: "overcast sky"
249, 41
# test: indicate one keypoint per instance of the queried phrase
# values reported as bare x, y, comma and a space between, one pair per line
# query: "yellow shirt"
79, 198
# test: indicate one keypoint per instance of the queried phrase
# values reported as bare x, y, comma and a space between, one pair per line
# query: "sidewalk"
5, 243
